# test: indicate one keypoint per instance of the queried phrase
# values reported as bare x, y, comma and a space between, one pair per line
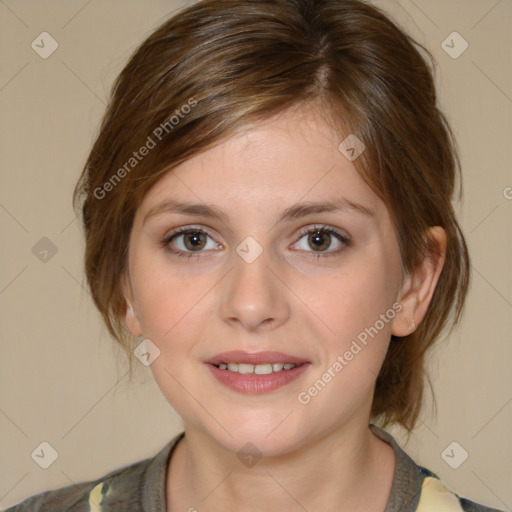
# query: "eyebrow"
293, 212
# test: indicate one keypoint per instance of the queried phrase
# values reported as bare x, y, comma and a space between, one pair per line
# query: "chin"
265, 433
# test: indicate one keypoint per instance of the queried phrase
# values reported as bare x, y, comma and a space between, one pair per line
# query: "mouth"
256, 373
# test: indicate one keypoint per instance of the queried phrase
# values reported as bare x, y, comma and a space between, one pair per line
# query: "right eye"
188, 240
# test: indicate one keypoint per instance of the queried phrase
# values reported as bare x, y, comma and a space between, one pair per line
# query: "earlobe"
404, 322
131, 319
419, 285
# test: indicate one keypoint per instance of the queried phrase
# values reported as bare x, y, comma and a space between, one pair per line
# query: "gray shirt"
142, 487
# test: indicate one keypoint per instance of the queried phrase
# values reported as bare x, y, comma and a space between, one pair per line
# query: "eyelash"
314, 254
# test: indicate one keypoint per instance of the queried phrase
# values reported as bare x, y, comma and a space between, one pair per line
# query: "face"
266, 250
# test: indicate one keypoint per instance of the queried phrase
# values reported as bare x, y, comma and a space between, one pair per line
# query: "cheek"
166, 297
351, 306
354, 299
171, 309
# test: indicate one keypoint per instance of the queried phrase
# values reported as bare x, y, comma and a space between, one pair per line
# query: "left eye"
321, 240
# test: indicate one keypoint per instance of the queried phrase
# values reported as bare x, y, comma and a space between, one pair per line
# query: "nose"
253, 298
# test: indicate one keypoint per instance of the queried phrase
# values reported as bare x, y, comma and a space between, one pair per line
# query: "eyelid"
324, 227
185, 229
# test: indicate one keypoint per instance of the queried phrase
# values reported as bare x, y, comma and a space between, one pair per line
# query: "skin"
294, 299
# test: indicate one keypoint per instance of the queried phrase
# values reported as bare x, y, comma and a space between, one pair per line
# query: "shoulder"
138, 486
85, 496
434, 496
417, 489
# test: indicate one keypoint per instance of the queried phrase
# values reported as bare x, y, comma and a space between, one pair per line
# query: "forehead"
289, 158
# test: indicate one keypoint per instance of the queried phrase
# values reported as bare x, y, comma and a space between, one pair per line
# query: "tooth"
245, 368
263, 369
258, 369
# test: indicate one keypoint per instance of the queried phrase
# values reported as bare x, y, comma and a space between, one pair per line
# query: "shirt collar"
404, 496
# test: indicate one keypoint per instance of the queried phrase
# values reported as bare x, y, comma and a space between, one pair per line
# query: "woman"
268, 206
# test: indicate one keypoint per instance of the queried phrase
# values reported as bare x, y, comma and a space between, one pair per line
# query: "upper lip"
239, 356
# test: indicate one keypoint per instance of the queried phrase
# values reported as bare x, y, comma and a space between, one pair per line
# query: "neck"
349, 469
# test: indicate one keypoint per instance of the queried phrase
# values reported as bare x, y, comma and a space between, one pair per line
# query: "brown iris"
319, 240
194, 240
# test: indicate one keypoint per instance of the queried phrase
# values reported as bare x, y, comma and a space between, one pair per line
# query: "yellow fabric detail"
435, 497
95, 497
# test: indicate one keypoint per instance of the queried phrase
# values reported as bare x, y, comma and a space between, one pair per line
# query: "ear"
131, 319
418, 287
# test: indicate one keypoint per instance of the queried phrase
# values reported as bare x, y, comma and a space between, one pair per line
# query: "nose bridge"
253, 296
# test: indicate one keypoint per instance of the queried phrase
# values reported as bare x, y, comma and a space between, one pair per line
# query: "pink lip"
252, 383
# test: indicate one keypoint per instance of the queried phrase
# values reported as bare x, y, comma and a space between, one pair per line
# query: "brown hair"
220, 65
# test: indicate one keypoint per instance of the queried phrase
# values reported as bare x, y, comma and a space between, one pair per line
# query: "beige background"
62, 381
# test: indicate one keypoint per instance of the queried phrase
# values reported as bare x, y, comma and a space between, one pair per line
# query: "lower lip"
257, 384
